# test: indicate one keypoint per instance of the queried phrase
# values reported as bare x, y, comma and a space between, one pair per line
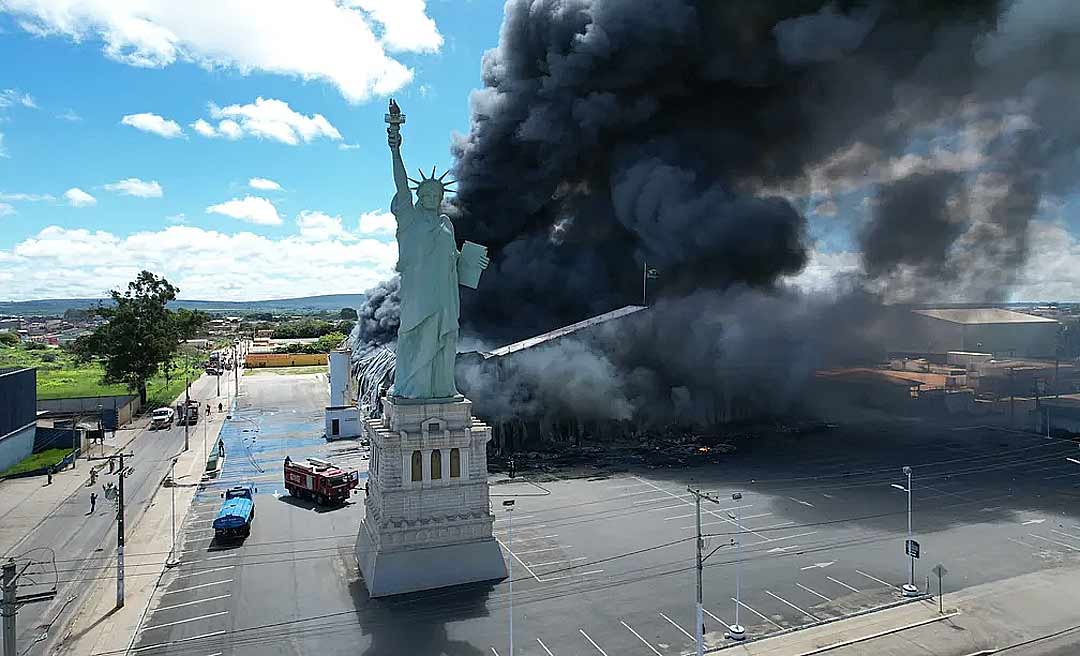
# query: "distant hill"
303, 305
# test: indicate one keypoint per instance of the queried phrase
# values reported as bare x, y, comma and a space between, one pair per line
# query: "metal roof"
970, 316
565, 330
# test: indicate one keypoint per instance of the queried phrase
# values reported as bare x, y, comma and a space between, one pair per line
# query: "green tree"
347, 313
140, 335
328, 342
8, 338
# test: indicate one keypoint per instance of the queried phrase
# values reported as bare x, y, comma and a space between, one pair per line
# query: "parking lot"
606, 565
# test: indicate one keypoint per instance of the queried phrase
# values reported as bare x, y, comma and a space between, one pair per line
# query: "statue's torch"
394, 118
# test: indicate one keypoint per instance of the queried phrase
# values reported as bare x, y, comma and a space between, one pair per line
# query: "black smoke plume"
688, 135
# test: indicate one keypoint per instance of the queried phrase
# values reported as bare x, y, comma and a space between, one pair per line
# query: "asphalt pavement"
605, 566
75, 549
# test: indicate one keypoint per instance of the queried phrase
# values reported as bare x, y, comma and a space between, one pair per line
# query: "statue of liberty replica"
427, 522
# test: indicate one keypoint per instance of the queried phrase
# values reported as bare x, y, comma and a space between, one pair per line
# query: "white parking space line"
722, 622
674, 624
711, 512
626, 487
1060, 544
206, 571
874, 578
805, 503
523, 517
548, 651
196, 587
677, 505
638, 636
494, 652
668, 519
216, 653
191, 603
692, 526
523, 563
786, 537
538, 537
632, 494
592, 642
757, 613
545, 549
665, 498
532, 527
188, 620
558, 562
178, 640
1069, 475
549, 579
853, 589
780, 525
827, 496
785, 601
818, 594
1068, 535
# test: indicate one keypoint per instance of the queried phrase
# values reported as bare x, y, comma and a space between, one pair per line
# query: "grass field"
38, 460
60, 376
286, 371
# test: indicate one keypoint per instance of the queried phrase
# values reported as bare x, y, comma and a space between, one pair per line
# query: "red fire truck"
319, 480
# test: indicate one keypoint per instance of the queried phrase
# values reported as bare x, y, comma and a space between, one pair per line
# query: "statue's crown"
426, 181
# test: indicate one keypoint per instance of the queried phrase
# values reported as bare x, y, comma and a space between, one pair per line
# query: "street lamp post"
908, 588
173, 561
509, 505
736, 630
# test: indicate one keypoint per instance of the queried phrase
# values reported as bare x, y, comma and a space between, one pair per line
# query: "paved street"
605, 566
82, 544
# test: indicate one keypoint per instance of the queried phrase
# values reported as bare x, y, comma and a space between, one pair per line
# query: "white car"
162, 418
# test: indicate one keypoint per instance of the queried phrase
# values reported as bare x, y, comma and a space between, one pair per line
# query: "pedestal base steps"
428, 522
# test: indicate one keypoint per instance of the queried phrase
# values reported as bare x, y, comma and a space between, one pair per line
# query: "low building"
1003, 333
18, 414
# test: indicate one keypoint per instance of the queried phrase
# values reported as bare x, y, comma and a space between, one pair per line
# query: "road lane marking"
853, 589
638, 636
756, 613
783, 549
173, 642
559, 562
827, 496
190, 619
874, 578
743, 519
206, 571
1032, 521
711, 512
190, 603
494, 652
592, 642
523, 563
812, 592
818, 565
197, 587
785, 601
780, 525
805, 503
672, 622
506, 519
1060, 544
545, 647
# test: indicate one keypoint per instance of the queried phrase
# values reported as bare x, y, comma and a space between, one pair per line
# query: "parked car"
162, 418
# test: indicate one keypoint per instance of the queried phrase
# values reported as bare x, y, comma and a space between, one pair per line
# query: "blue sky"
63, 126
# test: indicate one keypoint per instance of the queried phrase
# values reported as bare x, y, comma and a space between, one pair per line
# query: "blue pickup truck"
234, 519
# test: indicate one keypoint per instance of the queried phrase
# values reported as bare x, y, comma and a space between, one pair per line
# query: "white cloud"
3, 153
79, 198
177, 219
6, 209
251, 209
21, 197
9, 97
378, 222
158, 125
137, 187
317, 226
341, 42
348, 146
266, 118
264, 184
63, 263
69, 115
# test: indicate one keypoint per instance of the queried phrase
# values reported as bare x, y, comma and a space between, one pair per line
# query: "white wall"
16, 446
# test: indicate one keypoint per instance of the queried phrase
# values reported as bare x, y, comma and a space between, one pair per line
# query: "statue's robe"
427, 336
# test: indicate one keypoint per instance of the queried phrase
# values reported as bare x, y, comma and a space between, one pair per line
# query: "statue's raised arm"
395, 119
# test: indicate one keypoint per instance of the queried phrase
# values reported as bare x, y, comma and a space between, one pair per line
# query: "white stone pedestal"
428, 520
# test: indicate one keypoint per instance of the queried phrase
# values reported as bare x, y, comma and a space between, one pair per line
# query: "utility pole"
120, 535
737, 632
173, 561
9, 607
187, 408
699, 611
509, 505
236, 374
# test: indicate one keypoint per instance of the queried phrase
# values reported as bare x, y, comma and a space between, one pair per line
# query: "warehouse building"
1003, 333
18, 414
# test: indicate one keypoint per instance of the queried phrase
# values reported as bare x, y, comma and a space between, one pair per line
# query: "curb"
879, 634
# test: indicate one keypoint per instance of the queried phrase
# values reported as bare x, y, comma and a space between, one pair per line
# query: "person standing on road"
50, 473
513, 467
93, 502
219, 408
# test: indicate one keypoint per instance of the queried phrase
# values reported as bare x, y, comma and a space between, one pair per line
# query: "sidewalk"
99, 627
984, 617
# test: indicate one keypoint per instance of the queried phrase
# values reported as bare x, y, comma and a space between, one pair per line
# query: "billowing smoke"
691, 135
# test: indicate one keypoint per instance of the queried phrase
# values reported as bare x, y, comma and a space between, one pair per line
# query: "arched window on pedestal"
455, 463
417, 466
436, 464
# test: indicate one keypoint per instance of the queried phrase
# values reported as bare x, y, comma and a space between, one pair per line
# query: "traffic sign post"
941, 572
911, 548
